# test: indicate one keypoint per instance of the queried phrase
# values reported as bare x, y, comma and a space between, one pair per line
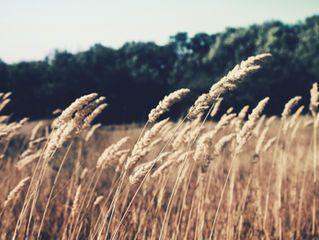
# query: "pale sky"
32, 29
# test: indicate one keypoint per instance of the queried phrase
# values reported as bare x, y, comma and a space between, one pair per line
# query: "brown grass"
193, 179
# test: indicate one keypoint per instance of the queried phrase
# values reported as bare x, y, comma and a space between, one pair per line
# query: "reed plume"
143, 146
77, 105
314, 99
226, 83
144, 168
15, 192
249, 126
289, 106
111, 154
166, 103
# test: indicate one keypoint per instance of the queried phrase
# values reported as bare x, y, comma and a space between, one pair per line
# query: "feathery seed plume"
4, 103
240, 119
76, 201
143, 169
88, 120
269, 143
8, 94
98, 200
72, 121
15, 192
220, 145
122, 160
181, 136
77, 105
83, 117
204, 145
111, 154
314, 99
28, 159
248, 127
166, 103
216, 107
270, 121
229, 110
261, 140
295, 116
91, 131
308, 123
259, 124
228, 82
289, 106
167, 164
143, 146
83, 174
35, 130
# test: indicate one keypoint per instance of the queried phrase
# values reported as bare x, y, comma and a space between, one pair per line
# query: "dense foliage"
137, 75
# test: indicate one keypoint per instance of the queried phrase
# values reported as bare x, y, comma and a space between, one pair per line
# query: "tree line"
137, 75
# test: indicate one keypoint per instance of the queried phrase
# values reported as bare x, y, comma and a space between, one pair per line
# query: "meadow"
241, 176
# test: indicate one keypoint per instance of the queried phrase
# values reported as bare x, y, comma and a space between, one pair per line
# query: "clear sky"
32, 29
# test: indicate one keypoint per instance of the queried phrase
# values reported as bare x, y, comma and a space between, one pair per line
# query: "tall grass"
241, 177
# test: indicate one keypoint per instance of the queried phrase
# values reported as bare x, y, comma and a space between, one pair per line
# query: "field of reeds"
242, 176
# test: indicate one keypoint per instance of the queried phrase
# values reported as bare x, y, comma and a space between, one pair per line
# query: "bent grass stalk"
179, 173
143, 180
52, 189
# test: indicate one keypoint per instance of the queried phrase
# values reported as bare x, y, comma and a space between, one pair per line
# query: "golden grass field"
243, 176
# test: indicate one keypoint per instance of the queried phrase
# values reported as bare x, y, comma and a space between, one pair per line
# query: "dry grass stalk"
8, 94
314, 99
308, 123
216, 107
77, 105
292, 211
204, 144
88, 120
249, 126
240, 119
84, 116
226, 83
27, 159
295, 129
143, 169
289, 106
259, 125
261, 140
98, 200
270, 120
166, 103
91, 131
57, 111
222, 142
143, 146
122, 160
181, 137
295, 116
4, 119
72, 120
7, 131
35, 130
4, 103
83, 174
111, 154
166, 165
269, 143
15, 192
76, 201
229, 110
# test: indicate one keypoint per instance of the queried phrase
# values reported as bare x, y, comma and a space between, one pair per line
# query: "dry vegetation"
243, 177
